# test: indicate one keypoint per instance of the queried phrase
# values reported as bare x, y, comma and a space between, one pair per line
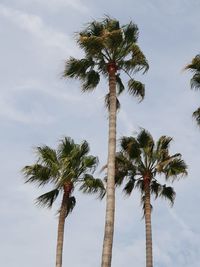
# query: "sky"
38, 107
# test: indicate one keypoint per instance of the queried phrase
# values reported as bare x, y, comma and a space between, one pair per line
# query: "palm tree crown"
139, 162
142, 159
69, 164
194, 67
107, 45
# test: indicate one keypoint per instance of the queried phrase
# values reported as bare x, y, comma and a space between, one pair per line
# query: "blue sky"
38, 107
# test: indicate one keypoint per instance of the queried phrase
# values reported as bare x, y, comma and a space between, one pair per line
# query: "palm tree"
109, 50
194, 66
139, 163
65, 168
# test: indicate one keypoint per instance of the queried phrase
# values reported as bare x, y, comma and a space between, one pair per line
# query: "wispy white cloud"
34, 25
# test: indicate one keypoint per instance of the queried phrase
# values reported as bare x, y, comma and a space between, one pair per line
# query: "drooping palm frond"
155, 188
195, 81
175, 169
136, 88
168, 193
91, 80
47, 199
90, 185
129, 186
196, 116
71, 203
120, 85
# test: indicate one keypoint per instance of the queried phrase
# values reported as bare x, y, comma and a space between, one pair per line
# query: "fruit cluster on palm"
66, 168
194, 67
138, 164
109, 50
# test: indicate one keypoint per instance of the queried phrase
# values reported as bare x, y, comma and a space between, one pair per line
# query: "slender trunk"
110, 188
147, 214
61, 224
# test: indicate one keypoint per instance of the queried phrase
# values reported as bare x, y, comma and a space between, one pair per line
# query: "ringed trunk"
110, 188
147, 214
61, 223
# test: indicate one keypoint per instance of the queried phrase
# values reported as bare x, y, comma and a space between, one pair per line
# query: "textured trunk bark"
61, 224
147, 213
110, 188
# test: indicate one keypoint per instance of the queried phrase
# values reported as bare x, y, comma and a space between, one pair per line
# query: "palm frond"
38, 174
130, 146
176, 168
90, 185
77, 68
120, 85
129, 186
48, 157
90, 81
131, 32
145, 139
65, 147
136, 88
155, 188
71, 203
196, 116
47, 199
168, 193
195, 81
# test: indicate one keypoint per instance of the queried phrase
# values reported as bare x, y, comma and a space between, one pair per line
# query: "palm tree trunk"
147, 214
61, 224
110, 188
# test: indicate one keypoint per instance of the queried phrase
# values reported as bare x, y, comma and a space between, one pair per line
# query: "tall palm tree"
194, 66
139, 163
109, 50
65, 168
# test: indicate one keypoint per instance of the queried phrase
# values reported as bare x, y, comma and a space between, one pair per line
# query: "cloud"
34, 25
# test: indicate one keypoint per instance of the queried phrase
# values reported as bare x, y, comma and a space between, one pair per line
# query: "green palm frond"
77, 68
136, 88
120, 85
38, 174
145, 139
90, 81
195, 81
47, 199
131, 32
91, 185
196, 116
130, 146
71, 203
176, 168
48, 157
65, 148
168, 193
155, 188
90, 162
129, 186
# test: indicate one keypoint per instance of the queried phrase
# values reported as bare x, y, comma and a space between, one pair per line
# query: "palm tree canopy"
140, 158
194, 66
107, 43
69, 164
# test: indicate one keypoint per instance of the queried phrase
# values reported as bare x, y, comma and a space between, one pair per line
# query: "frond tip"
47, 199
